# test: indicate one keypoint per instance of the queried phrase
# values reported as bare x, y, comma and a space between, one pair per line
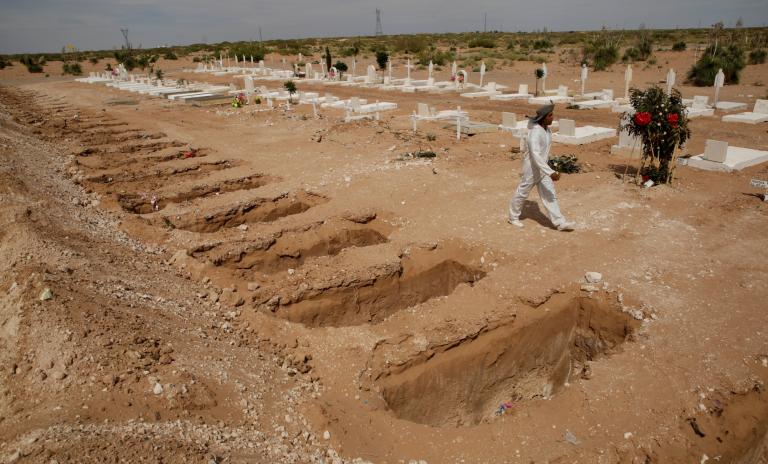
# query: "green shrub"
257, 51
410, 44
630, 54
543, 44
757, 56
341, 66
678, 46
644, 46
482, 42
730, 59
94, 60
438, 58
4, 63
72, 68
381, 59
602, 51
169, 55
33, 64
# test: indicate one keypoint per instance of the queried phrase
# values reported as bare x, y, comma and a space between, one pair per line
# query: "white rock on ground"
593, 277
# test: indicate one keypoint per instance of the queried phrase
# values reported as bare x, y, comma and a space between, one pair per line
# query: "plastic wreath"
661, 124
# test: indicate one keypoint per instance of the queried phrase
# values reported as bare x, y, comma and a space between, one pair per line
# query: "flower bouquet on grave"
239, 101
662, 126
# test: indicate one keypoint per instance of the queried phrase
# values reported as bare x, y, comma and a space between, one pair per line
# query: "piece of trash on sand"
503, 408
571, 438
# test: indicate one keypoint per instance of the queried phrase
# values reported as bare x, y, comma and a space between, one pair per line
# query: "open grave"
528, 358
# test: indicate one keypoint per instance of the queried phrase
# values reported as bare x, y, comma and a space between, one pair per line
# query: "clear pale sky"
48, 25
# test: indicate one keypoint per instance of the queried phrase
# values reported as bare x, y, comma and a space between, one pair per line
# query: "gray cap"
542, 112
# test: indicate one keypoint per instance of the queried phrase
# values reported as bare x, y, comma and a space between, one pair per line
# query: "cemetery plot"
252, 211
530, 357
155, 177
289, 249
371, 289
144, 204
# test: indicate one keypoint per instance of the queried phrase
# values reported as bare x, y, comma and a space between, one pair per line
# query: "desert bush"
410, 44
94, 60
630, 54
4, 63
678, 46
542, 44
72, 68
169, 55
257, 51
728, 58
481, 42
381, 59
126, 58
602, 50
757, 56
644, 45
341, 66
33, 64
438, 57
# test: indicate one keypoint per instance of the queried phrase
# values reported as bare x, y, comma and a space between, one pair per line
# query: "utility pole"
260, 39
379, 30
125, 35
485, 23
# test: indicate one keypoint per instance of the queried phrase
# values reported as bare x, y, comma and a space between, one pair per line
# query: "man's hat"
542, 112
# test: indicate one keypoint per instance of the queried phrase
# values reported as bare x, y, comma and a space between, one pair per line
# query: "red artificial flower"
642, 118
673, 119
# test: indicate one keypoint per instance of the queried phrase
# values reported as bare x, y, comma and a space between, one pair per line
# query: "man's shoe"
567, 226
516, 222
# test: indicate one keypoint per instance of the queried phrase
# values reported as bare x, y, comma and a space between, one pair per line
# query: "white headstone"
670, 80
508, 119
761, 106
370, 78
354, 66
544, 77
389, 70
700, 102
584, 72
715, 150
482, 73
562, 91
454, 68
431, 68
248, 87
522, 89
627, 80
719, 83
567, 127
423, 110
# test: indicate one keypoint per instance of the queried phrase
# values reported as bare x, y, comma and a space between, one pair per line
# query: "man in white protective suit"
537, 173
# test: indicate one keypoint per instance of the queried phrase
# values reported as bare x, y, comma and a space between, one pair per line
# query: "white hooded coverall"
536, 172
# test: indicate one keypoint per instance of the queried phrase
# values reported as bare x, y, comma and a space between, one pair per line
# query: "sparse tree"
290, 86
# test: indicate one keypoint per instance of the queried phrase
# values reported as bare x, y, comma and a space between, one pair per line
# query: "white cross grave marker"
719, 83
670, 80
627, 80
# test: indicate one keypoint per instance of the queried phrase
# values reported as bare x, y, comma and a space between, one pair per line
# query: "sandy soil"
303, 293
